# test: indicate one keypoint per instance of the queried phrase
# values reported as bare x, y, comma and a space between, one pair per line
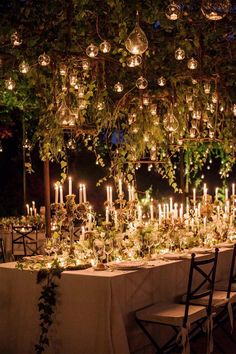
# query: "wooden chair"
184, 319
27, 237
2, 251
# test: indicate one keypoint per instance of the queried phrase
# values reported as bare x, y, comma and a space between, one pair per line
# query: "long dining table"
95, 311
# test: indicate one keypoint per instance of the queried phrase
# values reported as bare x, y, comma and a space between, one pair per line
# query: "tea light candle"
110, 195
120, 186
61, 194
226, 194
194, 195
151, 212
107, 214
70, 185
80, 193
84, 193
56, 193
216, 193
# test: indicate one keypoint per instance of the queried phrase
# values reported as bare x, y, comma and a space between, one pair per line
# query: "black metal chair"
27, 238
185, 319
2, 251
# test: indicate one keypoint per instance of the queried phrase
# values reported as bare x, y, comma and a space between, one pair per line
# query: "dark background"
83, 169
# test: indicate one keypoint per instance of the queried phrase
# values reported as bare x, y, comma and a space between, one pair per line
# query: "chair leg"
158, 348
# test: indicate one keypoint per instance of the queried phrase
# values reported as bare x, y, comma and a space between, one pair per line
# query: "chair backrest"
231, 272
206, 268
2, 251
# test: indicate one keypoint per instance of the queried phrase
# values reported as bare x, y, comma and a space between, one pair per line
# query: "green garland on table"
46, 304
48, 297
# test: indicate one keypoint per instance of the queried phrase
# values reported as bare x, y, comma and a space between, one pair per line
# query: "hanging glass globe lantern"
170, 122
10, 84
137, 42
100, 105
141, 83
214, 97
92, 51
82, 104
179, 54
161, 81
132, 118
192, 64
16, 39
64, 115
80, 90
63, 69
194, 124
73, 80
134, 60
105, 47
85, 64
146, 100
215, 10
153, 109
24, 67
156, 121
44, 59
192, 132
173, 11
211, 134
207, 87
118, 87
197, 114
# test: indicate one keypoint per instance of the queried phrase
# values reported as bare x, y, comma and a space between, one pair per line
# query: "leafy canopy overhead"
186, 112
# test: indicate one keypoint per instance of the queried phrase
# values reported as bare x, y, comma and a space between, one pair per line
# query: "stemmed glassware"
98, 249
108, 248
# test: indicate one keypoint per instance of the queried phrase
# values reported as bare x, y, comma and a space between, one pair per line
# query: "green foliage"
63, 29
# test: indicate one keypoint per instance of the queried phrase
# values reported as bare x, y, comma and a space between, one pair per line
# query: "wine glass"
98, 249
108, 248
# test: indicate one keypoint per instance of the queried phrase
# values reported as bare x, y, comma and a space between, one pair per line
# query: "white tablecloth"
95, 310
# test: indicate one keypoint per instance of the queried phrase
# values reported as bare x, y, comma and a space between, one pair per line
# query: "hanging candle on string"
100, 105
73, 79
134, 60
80, 90
118, 87
192, 64
105, 47
173, 11
137, 42
141, 83
1, 148
179, 54
16, 39
24, 67
10, 84
92, 51
44, 59
215, 10
161, 81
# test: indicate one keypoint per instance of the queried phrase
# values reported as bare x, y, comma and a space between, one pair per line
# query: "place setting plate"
202, 250
225, 245
128, 265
